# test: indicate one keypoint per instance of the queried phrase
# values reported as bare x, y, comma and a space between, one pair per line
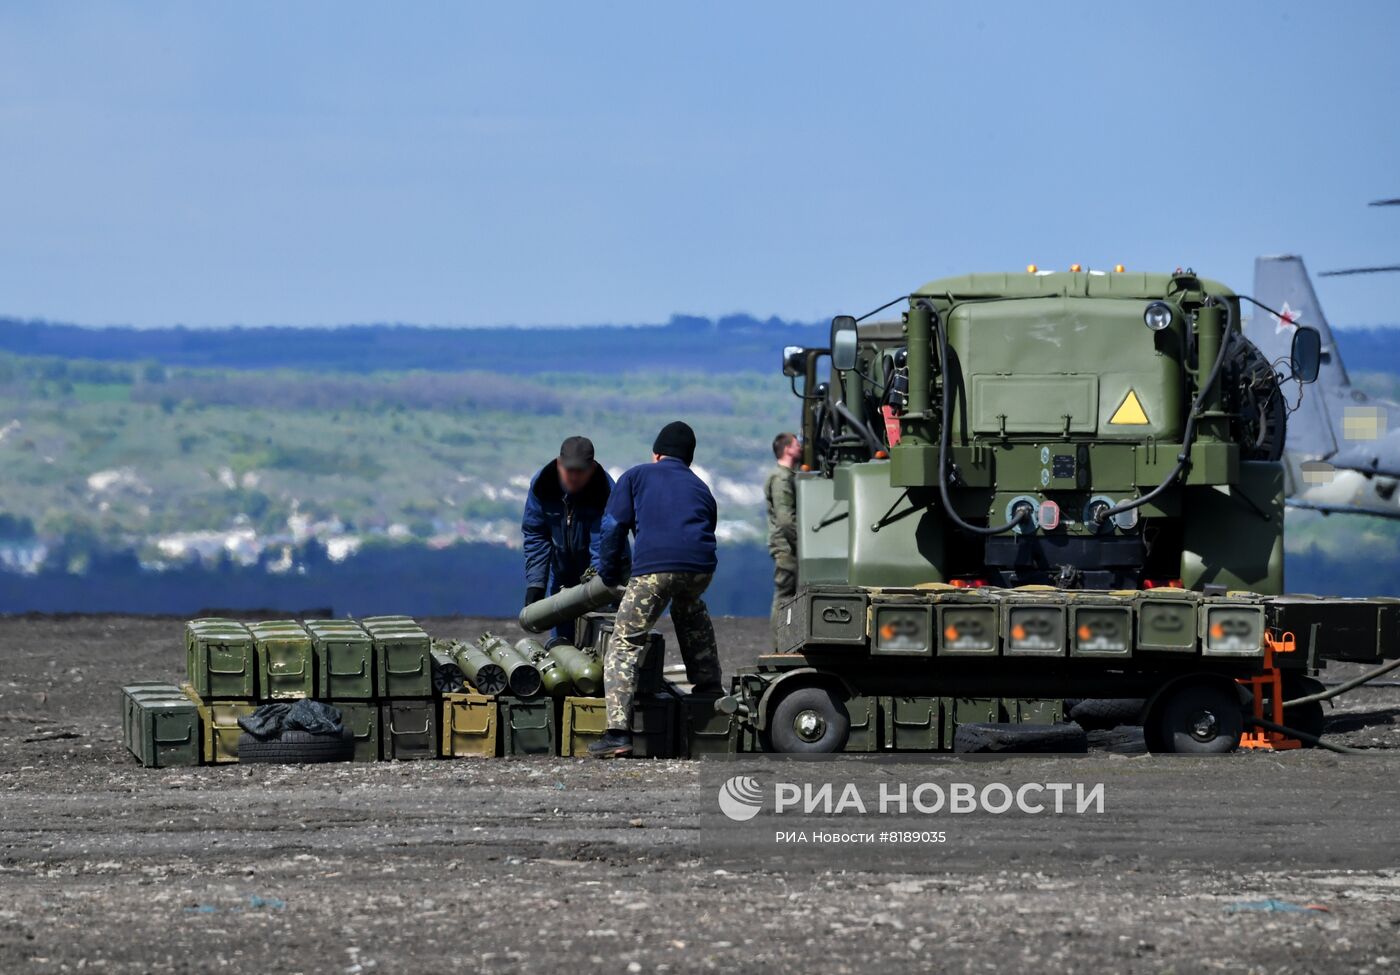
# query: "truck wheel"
1307, 718
810, 719
1198, 719
297, 747
1105, 713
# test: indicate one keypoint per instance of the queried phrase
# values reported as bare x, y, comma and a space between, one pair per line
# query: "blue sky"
306, 163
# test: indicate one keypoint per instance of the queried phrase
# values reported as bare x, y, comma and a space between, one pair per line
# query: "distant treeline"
731, 344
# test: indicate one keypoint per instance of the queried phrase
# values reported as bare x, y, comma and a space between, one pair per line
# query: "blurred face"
573, 481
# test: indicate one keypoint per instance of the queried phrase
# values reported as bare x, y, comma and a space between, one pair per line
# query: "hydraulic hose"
945, 438
1304, 736
1183, 459
866, 435
1345, 686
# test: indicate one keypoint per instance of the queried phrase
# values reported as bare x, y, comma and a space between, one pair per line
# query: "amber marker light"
1075, 268
951, 634
1018, 632
1085, 633
1118, 268
1031, 268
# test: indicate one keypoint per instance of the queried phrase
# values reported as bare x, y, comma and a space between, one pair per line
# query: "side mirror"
1307, 354
843, 342
794, 361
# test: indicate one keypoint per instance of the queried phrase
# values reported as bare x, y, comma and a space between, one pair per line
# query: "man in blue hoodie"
563, 516
672, 513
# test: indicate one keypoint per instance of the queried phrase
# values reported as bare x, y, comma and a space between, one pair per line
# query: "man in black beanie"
673, 560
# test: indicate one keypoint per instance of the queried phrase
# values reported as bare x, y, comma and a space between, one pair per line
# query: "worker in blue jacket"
562, 523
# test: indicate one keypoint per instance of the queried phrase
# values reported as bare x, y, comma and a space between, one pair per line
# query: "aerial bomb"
521, 676
487, 676
585, 672
568, 604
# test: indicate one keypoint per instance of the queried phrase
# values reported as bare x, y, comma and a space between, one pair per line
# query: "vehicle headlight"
1157, 316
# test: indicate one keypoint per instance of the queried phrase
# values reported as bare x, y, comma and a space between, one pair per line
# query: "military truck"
1039, 486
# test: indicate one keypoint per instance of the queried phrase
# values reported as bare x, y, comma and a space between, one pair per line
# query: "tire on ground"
809, 720
993, 738
296, 747
1105, 713
1196, 719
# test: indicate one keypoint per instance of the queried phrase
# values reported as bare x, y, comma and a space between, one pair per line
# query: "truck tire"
988, 738
1197, 719
1105, 713
296, 747
809, 720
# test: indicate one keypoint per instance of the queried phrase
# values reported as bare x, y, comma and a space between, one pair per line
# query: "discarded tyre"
1000, 738
296, 747
1105, 714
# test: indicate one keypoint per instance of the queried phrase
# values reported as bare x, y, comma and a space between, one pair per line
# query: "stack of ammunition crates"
379, 673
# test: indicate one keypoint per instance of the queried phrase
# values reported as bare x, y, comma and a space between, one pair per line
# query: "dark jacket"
561, 531
673, 515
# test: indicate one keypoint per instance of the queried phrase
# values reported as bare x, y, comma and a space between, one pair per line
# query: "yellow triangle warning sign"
1130, 412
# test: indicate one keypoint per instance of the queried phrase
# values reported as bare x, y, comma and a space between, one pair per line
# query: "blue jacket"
561, 531
673, 515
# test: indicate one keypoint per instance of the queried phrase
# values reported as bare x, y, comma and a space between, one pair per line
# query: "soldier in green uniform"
782, 521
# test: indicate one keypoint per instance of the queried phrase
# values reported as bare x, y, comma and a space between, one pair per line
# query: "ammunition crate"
219, 726
527, 727
911, 724
362, 718
587, 627
151, 688
704, 730
286, 662
220, 660
651, 670
344, 656
1032, 624
653, 725
468, 726
1232, 626
968, 624
1100, 625
969, 710
1335, 629
822, 615
1034, 710
408, 730
163, 729
403, 659
1167, 620
865, 724
902, 627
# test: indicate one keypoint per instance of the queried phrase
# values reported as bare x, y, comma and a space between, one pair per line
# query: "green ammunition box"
527, 727
220, 660
469, 726
901, 627
387, 622
1100, 625
344, 656
1232, 626
968, 624
286, 667
1034, 711
164, 727
911, 724
1361, 630
362, 718
865, 724
651, 676
653, 725
1032, 624
705, 731
403, 658
822, 615
408, 730
154, 688
587, 627
969, 710
1167, 620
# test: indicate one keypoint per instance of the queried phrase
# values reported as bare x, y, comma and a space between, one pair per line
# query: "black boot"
616, 743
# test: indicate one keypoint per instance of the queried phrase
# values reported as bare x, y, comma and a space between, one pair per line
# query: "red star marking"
1286, 320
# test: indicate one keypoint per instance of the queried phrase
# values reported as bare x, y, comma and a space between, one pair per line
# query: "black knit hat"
676, 439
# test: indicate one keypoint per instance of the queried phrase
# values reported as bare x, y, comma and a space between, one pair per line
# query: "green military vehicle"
1040, 486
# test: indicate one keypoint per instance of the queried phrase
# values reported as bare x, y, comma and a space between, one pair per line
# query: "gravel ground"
537, 865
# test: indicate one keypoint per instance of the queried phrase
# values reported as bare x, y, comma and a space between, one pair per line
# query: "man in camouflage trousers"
673, 515
780, 493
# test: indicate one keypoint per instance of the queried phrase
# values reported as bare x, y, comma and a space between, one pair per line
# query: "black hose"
1183, 459
945, 438
1303, 736
1345, 686
866, 434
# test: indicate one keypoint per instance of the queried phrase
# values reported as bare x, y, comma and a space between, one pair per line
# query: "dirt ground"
538, 865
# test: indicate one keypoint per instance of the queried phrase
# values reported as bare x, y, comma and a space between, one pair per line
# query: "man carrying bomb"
673, 514
781, 496
563, 517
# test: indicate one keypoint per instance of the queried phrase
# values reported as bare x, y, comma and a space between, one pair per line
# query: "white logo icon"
740, 798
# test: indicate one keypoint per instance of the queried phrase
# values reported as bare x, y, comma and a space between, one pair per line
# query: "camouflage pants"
642, 605
784, 588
